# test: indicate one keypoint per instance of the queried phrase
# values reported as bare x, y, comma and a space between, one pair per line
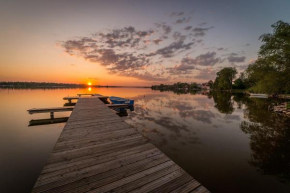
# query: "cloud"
166, 28
207, 59
244, 67
202, 24
174, 14
123, 37
221, 49
170, 50
130, 52
200, 32
187, 28
183, 20
178, 36
157, 41
188, 64
145, 76
206, 74
181, 69
235, 58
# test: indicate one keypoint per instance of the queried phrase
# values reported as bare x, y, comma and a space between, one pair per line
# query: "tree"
270, 72
224, 79
239, 84
210, 83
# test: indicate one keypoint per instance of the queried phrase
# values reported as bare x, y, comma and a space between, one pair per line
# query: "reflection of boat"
252, 95
119, 100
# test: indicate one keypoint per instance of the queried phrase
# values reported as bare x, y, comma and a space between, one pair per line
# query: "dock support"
51, 115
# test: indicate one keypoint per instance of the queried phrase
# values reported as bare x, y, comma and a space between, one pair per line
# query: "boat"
119, 100
253, 95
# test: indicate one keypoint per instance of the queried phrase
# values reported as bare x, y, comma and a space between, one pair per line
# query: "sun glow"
89, 83
89, 89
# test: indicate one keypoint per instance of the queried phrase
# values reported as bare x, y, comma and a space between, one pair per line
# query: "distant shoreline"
48, 85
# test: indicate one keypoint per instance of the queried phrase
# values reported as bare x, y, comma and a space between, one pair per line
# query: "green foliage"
239, 84
271, 72
210, 83
225, 78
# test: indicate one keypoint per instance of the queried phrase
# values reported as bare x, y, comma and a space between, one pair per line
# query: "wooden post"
69, 100
51, 115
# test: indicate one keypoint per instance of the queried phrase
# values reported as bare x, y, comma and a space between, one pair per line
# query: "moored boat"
119, 100
253, 95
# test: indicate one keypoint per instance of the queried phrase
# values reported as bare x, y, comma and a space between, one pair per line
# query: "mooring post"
69, 100
51, 115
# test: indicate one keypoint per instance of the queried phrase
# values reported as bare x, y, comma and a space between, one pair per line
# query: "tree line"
270, 73
40, 85
180, 85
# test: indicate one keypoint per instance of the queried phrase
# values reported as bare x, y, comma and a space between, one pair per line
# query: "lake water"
229, 143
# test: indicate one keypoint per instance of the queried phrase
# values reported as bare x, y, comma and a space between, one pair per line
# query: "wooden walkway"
98, 152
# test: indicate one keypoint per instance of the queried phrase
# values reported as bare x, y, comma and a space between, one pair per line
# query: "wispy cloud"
146, 54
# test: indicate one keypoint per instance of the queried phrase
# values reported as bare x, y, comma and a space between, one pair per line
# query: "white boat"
253, 95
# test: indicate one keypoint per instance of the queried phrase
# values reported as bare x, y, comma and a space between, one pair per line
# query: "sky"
131, 42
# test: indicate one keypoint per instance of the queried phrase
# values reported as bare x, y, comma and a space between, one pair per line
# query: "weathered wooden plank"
189, 186
146, 179
172, 185
103, 178
98, 152
70, 154
160, 181
200, 189
77, 170
98, 169
98, 158
50, 109
131, 178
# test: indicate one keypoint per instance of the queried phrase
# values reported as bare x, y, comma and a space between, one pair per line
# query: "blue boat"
119, 100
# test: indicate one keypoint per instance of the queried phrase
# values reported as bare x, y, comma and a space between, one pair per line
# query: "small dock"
98, 151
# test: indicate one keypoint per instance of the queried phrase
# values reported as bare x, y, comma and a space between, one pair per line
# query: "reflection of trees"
223, 102
270, 139
151, 121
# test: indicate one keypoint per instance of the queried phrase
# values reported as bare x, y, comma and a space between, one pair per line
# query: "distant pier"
98, 151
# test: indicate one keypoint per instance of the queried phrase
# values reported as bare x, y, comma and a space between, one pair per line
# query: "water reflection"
270, 140
236, 131
228, 142
47, 121
223, 102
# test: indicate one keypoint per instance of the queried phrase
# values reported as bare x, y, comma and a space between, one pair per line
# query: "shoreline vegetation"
268, 74
52, 85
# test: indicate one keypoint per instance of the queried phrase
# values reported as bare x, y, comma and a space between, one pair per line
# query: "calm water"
227, 142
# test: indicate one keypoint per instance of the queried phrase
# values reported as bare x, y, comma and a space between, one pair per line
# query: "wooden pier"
98, 152
69, 99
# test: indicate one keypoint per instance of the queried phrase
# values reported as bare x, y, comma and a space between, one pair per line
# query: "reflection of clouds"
161, 117
199, 115
232, 117
180, 106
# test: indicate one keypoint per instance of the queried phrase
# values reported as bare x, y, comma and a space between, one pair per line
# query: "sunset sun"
89, 83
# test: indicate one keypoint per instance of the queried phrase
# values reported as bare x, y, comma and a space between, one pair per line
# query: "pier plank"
98, 152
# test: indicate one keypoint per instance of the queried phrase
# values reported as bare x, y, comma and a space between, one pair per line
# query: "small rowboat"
252, 95
119, 100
